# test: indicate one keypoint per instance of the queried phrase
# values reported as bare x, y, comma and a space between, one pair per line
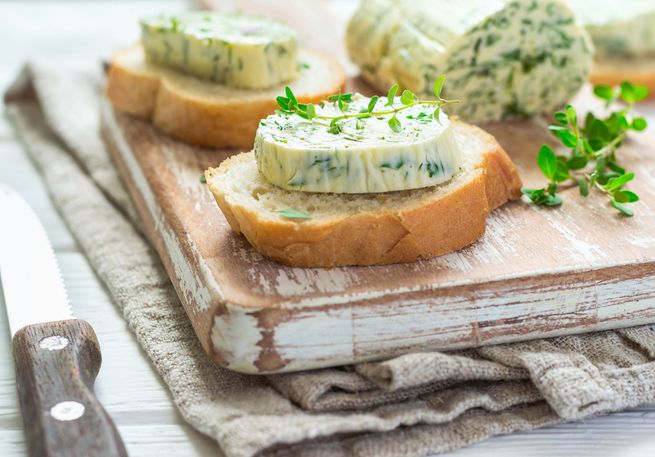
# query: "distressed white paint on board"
346, 334
235, 335
333, 280
577, 247
195, 288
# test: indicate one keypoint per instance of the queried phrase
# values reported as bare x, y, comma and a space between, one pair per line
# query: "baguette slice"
205, 113
368, 229
614, 72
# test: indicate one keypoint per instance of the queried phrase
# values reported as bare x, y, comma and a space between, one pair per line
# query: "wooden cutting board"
536, 272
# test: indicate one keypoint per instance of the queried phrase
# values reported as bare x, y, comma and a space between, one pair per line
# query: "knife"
57, 356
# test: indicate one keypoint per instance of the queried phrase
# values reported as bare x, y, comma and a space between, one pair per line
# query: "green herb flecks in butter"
232, 49
364, 155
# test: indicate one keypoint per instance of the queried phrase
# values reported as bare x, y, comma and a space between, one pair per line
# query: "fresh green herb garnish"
293, 214
203, 179
290, 105
591, 162
342, 100
175, 24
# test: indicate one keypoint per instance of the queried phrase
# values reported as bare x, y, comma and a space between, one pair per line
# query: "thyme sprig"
290, 105
591, 163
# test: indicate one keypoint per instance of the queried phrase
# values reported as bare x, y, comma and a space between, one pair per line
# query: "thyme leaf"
591, 160
293, 214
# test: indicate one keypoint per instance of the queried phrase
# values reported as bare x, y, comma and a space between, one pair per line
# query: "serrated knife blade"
31, 282
57, 357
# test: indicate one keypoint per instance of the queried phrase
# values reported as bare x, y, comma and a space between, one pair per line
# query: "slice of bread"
204, 113
368, 229
613, 73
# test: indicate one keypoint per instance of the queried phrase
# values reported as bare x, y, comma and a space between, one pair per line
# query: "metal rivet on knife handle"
54, 343
67, 410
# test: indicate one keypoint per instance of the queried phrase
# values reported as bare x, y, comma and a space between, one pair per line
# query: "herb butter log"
623, 33
208, 78
502, 57
349, 185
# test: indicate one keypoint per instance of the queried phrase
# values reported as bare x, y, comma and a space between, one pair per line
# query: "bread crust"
203, 122
640, 72
425, 230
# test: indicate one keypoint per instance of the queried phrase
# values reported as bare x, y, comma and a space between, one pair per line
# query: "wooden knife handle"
56, 366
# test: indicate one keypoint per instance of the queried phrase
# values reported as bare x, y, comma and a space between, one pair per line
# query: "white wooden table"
127, 385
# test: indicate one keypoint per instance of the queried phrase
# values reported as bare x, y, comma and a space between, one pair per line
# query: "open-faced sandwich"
363, 181
209, 78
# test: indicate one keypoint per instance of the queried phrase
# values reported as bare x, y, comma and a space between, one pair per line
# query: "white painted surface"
127, 385
189, 280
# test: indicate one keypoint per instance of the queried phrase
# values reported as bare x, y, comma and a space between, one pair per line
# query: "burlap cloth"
412, 405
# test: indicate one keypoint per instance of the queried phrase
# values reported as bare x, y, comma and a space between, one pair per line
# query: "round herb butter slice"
362, 155
231, 49
502, 57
